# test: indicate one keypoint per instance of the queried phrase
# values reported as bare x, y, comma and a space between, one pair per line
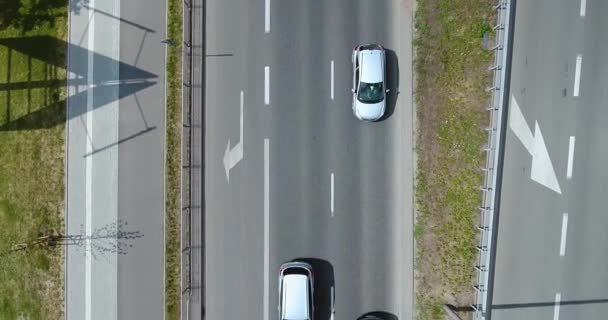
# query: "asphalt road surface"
301, 177
551, 252
115, 171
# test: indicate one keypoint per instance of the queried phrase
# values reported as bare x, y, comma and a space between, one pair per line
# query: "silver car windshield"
370, 92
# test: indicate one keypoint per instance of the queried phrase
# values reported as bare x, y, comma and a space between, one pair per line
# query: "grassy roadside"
173, 164
451, 70
32, 139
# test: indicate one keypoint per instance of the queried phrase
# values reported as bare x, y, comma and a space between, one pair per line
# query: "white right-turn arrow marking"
542, 169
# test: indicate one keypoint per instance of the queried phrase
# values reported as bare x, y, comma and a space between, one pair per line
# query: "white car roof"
295, 297
370, 62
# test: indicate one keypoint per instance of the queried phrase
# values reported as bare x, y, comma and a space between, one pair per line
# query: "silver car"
369, 82
296, 291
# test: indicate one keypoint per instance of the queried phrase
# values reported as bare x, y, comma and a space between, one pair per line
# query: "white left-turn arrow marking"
234, 155
542, 169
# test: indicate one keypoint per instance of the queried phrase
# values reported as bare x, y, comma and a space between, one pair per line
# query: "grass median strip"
173, 162
452, 74
32, 140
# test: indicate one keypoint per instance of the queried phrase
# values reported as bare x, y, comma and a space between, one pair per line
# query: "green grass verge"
173, 187
451, 71
32, 139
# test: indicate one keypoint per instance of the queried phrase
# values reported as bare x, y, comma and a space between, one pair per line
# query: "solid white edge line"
267, 16
332, 194
577, 75
570, 157
562, 244
266, 85
583, 8
558, 299
266, 227
332, 80
89, 163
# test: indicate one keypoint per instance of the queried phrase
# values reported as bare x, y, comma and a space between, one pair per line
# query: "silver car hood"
369, 111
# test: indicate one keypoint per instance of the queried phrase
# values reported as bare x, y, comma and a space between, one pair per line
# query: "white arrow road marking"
542, 169
232, 157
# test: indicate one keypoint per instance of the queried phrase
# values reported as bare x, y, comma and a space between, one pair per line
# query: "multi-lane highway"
551, 253
291, 173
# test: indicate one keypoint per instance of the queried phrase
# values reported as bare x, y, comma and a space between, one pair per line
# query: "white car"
296, 291
369, 82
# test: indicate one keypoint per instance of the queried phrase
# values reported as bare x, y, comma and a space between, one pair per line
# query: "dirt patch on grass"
452, 74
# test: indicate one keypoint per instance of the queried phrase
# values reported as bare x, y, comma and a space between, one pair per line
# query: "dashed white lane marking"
577, 75
332, 80
583, 8
267, 85
333, 302
558, 299
267, 16
570, 157
562, 244
89, 165
266, 227
332, 194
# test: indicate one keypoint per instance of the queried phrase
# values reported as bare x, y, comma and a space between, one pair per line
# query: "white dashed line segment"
558, 299
267, 16
577, 75
267, 85
562, 244
570, 157
332, 194
583, 8
332, 80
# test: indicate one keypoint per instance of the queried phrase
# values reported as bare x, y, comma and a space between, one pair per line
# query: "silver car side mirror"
388, 90
352, 90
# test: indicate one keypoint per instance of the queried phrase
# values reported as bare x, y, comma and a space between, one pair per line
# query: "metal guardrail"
186, 174
488, 189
